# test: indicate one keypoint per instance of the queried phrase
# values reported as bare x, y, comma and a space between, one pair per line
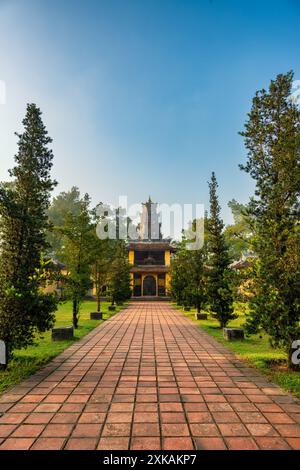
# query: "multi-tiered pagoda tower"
150, 256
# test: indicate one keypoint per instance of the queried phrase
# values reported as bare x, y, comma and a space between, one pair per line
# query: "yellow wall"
131, 256
167, 282
131, 280
155, 275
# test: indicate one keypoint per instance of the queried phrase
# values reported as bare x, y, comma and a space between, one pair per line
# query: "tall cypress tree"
272, 138
179, 281
24, 309
219, 276
197, 278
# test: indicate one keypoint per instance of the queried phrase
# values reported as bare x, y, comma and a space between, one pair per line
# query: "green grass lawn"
26, 361
256, 349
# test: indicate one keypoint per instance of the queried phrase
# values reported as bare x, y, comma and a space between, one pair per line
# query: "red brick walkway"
148, 378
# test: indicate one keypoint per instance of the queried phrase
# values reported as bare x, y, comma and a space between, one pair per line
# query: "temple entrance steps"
150, 298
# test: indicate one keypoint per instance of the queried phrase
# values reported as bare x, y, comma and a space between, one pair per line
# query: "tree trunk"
198, 306
75, 314
98, 303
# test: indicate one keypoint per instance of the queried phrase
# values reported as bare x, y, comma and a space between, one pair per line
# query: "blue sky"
143, 97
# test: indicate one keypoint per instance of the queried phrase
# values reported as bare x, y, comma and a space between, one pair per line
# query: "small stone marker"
96, 315
111, 308
3, 354
201, 316
232, 334
294, 362
63, 333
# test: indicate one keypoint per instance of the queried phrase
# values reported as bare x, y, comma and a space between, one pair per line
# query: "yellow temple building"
150, 257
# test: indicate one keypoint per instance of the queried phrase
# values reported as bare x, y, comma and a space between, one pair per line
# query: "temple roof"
153, 245
150, 269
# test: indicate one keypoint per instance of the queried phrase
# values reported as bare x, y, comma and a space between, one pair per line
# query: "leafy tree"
102, 252
189, 274
219, 279
196, 289
100, 267
77, 239
24, 308
119, 275
179, 275
66, 202
238, 234
272, 139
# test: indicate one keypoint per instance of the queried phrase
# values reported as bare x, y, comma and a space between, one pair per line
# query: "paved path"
148, 378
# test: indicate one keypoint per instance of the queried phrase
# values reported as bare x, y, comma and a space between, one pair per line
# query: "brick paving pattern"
148, 378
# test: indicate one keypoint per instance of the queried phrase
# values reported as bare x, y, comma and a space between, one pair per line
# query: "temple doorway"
149, 285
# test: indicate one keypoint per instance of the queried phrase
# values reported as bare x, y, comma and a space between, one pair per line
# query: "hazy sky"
143, 96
